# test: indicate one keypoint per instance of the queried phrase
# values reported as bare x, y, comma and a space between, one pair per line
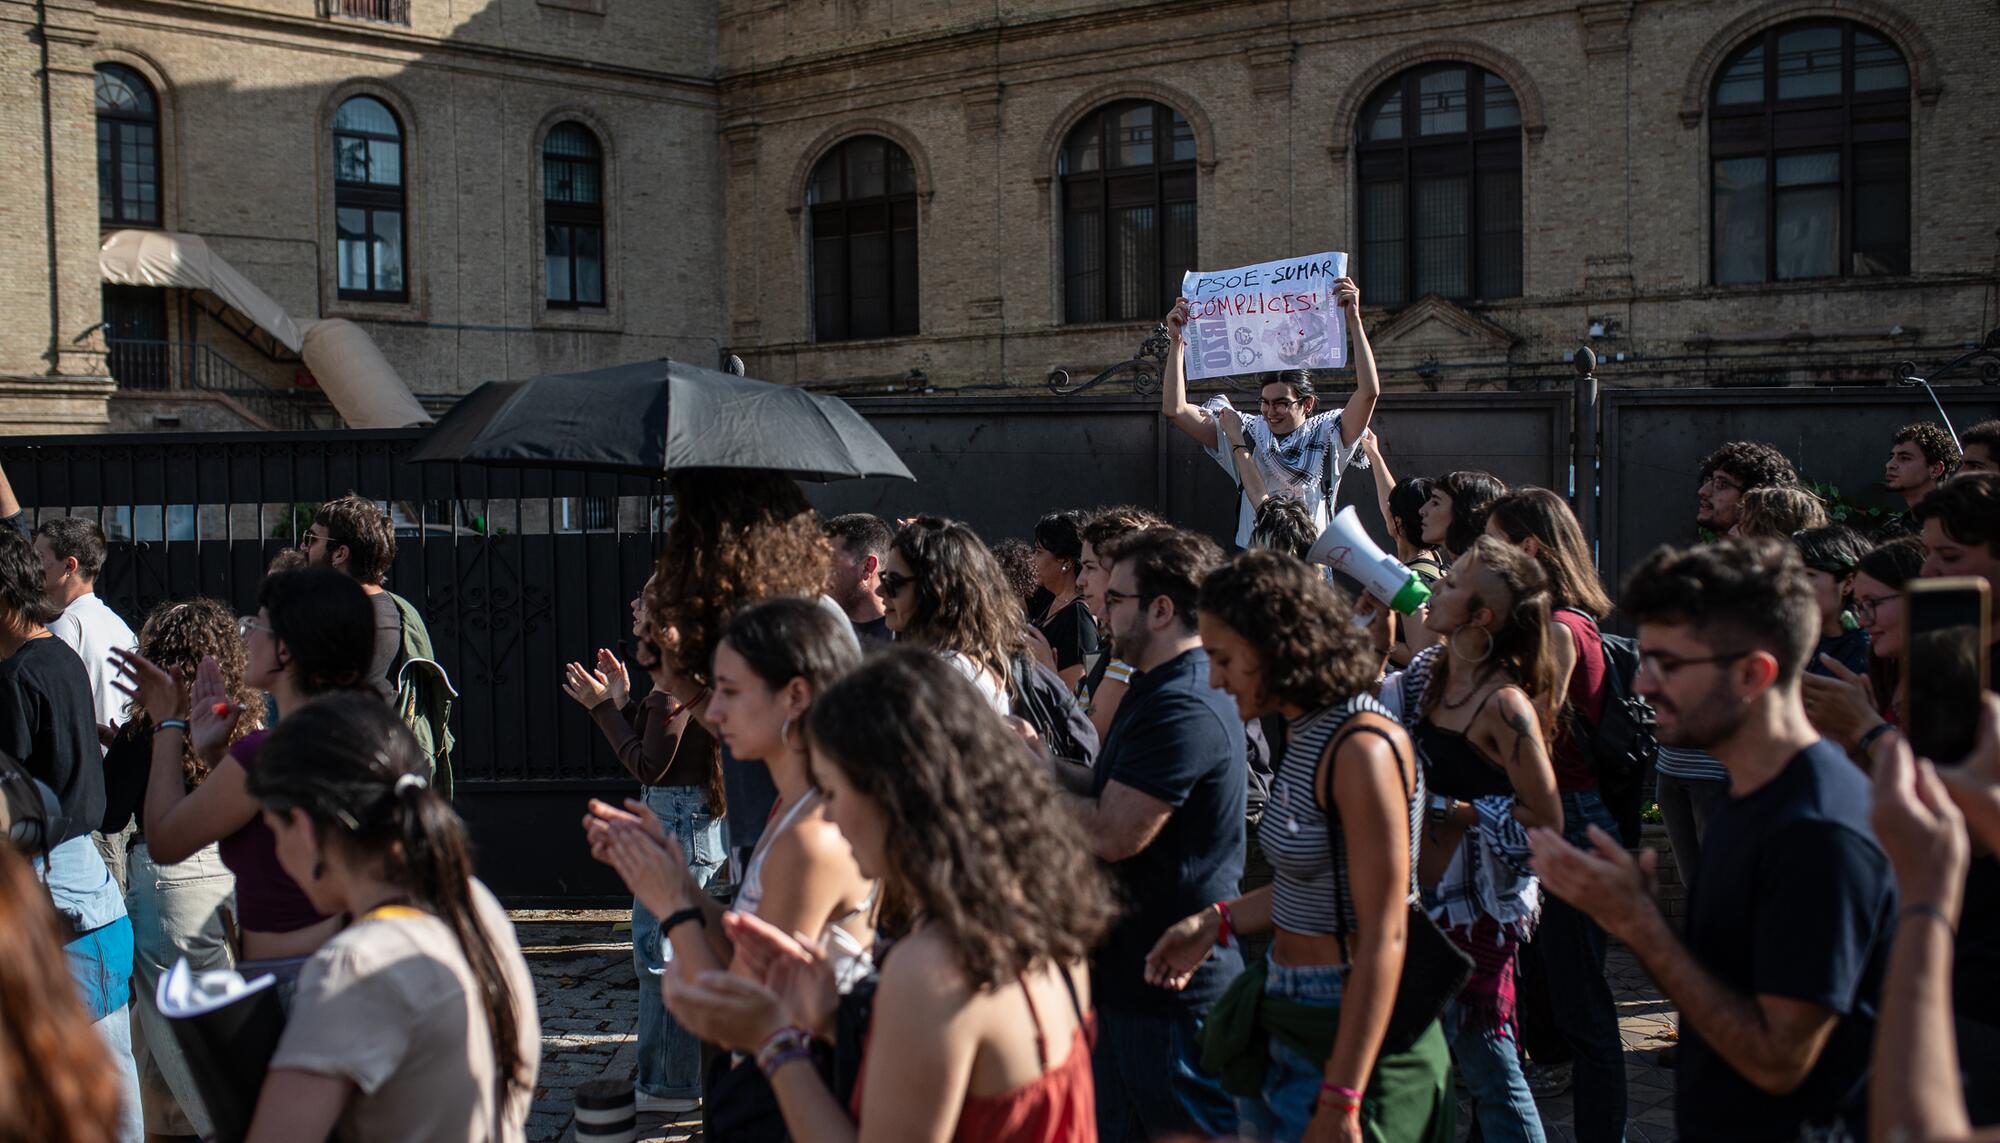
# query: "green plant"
1841, 510
1651, 814
294, 521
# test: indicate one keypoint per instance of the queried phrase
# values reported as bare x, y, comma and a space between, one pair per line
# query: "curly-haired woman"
979, 1028
1482, 708
942, 590
177, 908
1340, 830
738, 536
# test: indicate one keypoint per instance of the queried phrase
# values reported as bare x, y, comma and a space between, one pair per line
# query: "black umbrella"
655, 417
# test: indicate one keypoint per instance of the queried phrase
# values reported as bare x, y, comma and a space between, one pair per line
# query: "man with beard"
1691, 783
353, 536
1792, 909
859, 541
1164, 810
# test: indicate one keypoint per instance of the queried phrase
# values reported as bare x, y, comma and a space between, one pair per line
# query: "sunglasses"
893, 584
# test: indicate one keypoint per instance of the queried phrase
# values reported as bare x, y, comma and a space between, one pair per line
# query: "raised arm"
1385, 483
1229, 423
10, 505
1367, 382
1190, 419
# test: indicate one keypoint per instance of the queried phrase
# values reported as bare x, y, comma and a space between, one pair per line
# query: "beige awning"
341, 356
184, 261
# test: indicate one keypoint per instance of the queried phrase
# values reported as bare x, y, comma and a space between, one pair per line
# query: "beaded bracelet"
782, 1047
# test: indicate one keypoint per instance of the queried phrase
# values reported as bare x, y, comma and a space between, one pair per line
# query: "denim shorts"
1292, 1082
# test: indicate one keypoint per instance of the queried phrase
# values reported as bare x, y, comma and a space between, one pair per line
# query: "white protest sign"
1271, 316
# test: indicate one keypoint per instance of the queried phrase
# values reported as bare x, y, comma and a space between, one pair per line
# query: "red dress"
1058, 1106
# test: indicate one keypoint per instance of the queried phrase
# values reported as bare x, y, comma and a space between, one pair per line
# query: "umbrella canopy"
656, 417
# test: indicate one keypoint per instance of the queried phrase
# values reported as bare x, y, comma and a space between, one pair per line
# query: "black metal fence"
519, 571
515, 571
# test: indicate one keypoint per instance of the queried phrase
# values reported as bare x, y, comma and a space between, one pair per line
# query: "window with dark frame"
1128, 212
128, 148
862, 204
368, 201
573, 217
1809, 151
1438, 152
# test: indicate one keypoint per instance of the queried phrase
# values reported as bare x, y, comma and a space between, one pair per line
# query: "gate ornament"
1986, 355
1144, 366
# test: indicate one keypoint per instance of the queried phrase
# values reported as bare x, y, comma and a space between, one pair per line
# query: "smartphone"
1946, 643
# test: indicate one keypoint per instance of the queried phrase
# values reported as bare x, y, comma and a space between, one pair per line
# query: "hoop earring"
1451, 642
785, 735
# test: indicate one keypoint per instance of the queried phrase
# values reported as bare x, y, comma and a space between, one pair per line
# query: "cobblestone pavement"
582, 964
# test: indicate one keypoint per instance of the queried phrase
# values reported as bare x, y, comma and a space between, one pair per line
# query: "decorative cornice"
1534, 121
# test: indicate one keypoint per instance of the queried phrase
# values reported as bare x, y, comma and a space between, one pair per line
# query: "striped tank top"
1310, 892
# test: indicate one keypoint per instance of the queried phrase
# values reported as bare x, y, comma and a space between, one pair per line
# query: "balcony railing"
165, 366
373, 11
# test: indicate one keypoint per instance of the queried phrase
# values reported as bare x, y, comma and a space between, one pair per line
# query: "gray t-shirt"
388, 641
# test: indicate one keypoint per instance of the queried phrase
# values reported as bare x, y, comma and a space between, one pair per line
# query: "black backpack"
1621, 746
1040, 696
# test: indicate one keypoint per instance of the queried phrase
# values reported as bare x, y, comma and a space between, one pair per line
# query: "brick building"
881, 196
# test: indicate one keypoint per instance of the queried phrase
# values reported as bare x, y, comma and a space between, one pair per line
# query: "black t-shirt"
48, 722
1179, 740
1975, 977
1792, 898
1848, 648
1072, 633
873, 633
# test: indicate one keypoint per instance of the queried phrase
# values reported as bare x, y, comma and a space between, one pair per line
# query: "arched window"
1128, 204
368, 200
573, 216
863, 203
1439, 157
128, 148
1809, 145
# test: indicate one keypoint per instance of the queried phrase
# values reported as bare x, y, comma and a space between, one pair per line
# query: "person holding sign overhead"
1230, 319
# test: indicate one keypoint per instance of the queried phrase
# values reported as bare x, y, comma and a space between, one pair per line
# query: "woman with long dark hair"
179, 909
979, 1028
57, 1082
313, 636
774, 661
418, 1021
1567, 954
1455, 515
1849, 704
660, 741
1482, 708
1340, 828
942, 591
1057, 609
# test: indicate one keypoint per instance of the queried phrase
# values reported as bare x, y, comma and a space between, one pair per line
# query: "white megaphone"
1345, 547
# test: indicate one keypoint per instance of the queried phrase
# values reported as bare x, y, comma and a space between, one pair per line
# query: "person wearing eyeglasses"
1164, 810
1791, 912
1845, 704
1287, 446
313, 635
942, 590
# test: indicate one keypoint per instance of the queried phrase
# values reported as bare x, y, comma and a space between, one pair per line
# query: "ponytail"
437, 871
358, 773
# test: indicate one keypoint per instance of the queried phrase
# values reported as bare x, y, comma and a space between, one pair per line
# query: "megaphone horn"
1346, 547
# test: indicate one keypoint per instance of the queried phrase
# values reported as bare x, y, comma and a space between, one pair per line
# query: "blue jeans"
670, 1055
1489, 1059
1571, 947
1291, 1083
1148, 1081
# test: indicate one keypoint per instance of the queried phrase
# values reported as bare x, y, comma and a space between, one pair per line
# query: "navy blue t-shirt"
1793, 898
1179, 740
